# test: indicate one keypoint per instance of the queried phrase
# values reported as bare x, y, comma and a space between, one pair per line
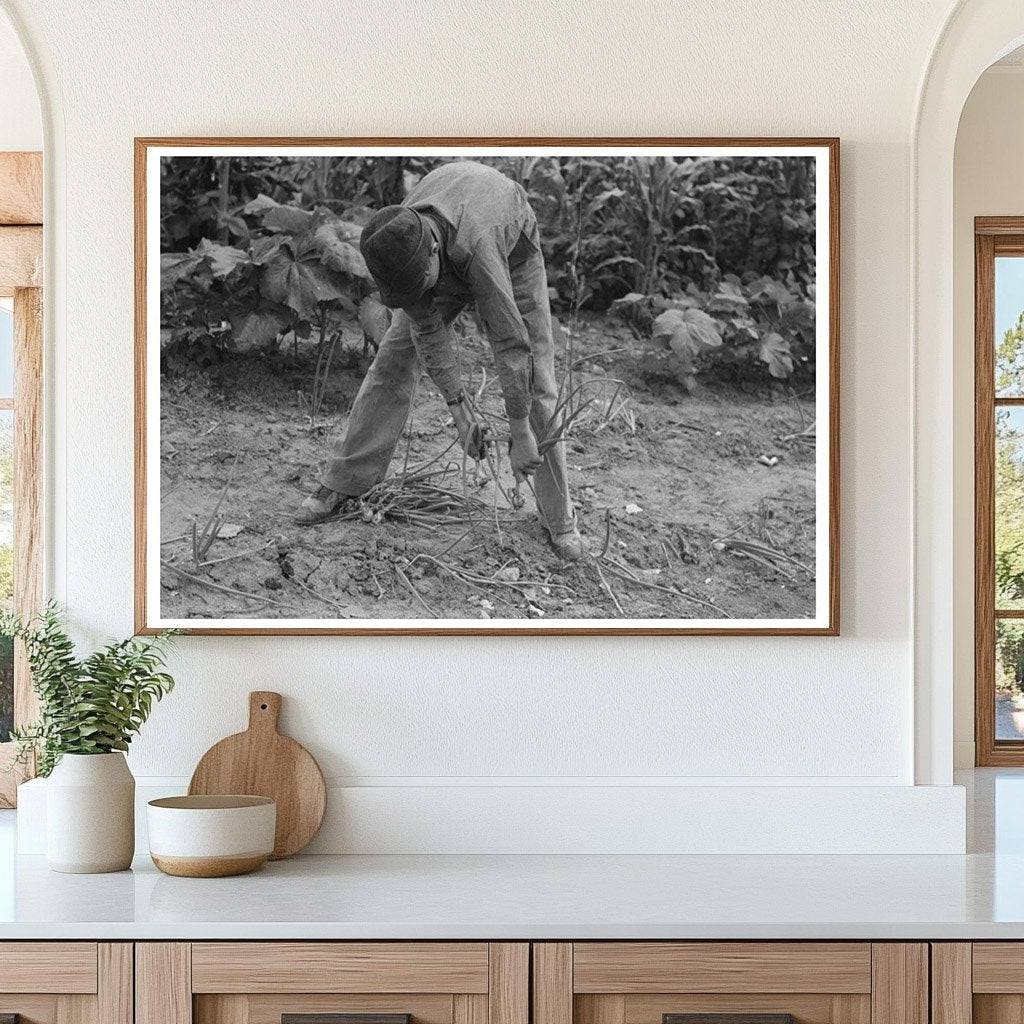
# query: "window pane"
1009, 539
6, 348
1009, 679
6, 567
1009, 323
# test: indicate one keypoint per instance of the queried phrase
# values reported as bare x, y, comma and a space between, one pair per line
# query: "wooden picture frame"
21, 266
825, 621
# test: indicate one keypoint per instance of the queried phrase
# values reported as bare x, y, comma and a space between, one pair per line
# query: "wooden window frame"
21, 270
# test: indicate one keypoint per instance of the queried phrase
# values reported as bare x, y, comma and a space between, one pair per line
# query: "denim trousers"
360, 458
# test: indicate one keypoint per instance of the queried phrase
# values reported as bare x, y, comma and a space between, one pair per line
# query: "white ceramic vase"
90, 814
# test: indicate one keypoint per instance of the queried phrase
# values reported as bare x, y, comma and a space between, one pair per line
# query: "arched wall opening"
987, 182
976, 34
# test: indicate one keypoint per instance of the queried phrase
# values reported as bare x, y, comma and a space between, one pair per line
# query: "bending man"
465, 234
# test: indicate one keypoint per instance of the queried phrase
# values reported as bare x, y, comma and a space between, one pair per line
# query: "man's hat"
396, 245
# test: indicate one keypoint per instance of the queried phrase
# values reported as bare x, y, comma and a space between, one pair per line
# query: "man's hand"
471, 433
526, 459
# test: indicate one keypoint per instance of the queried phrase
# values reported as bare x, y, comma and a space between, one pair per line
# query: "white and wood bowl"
211, 836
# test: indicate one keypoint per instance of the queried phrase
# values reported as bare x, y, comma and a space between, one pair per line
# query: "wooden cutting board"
262, 762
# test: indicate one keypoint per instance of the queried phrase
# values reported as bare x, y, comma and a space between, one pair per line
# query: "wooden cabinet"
493, 983
260, 982
66, 982
979, 982
649, 982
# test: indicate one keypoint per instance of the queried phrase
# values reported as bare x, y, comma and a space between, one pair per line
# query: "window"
21, 255
999, 490
6, 510
20, 535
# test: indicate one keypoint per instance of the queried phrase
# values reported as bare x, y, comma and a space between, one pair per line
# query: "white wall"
21, 125
988, 181
444, 713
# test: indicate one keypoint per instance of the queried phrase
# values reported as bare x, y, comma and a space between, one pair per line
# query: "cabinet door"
736, 982
66, 982
332, 983
980, 982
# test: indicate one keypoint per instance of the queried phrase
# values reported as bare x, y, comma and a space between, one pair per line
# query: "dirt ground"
665, 485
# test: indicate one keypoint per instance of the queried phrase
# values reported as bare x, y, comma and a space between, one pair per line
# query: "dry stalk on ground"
203, 538
321, 375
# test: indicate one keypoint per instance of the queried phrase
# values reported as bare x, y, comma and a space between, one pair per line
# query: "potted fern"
89, 710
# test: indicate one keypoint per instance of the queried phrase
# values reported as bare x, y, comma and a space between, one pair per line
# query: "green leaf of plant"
688, 333
289, 219
174, 266
775, 351
259, 326
260, 204
87, 706
331, 241
299, 280
222, 258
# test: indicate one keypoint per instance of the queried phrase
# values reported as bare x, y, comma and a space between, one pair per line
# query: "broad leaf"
177, 265
688, 332
258, 327
222, 258
265, 249
798, 317
775, 352
260, 204
277, 217
729, 300
289, 219
337, 252
296, 278
767, 290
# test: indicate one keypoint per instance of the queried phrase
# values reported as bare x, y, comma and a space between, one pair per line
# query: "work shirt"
486, 226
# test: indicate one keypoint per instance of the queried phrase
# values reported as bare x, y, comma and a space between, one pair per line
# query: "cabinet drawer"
48, 967
735, 982
630, 967
340, 967
261, 982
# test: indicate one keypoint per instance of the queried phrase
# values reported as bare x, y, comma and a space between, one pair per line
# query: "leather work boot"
568, 545
319, 506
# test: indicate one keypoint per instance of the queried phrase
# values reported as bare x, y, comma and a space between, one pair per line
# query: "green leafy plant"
687, 334
297, 271
90, 705
259, 254
747, 327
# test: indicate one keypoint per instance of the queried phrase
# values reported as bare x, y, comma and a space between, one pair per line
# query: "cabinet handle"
337, 1018
728, 1018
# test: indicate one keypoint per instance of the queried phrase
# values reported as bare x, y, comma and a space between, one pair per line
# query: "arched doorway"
975, 35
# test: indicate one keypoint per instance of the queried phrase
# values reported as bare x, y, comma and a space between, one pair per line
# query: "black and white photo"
463, 388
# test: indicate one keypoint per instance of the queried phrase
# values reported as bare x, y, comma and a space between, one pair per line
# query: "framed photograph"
487, 386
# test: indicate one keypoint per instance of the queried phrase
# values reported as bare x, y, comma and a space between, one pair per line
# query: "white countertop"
532, 897
978, 896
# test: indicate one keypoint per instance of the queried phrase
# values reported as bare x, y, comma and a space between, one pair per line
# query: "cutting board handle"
264, 710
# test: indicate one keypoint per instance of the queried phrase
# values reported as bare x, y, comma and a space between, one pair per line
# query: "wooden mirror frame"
21, 271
